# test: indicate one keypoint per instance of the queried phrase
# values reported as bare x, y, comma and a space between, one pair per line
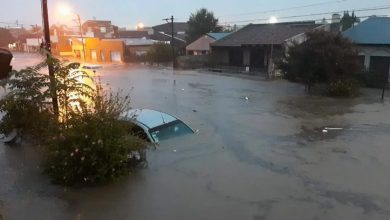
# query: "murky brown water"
265, 157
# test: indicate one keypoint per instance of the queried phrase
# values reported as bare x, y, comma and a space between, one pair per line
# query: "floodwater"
264, 150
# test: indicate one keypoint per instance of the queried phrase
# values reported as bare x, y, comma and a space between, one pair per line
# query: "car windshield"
169, 130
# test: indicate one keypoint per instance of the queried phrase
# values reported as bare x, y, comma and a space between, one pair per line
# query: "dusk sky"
127, 13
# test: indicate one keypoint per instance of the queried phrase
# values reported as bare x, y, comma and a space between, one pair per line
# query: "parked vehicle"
156, 126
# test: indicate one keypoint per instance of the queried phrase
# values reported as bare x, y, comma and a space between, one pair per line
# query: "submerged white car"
156, 126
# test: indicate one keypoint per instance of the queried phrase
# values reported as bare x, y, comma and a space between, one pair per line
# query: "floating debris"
339, 150
333, 129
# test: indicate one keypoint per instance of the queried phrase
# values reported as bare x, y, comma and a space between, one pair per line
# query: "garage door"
94, 55
116, 56
380, 65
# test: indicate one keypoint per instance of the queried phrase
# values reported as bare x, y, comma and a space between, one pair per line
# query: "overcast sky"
127, 13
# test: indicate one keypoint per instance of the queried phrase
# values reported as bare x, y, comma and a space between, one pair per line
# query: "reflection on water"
83, 84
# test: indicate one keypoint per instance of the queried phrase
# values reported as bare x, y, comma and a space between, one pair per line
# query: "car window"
139, 132
170, 130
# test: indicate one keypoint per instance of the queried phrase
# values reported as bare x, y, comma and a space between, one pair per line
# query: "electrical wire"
284, 9
377, 8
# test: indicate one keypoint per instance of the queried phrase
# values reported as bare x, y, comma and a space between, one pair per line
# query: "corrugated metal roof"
374, 30
137, 42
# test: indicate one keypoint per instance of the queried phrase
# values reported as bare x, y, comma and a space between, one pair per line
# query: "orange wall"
104, 47
63, 44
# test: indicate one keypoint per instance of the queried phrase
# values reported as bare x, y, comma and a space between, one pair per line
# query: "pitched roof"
167, 28
179, 38
374, 30
203, 43
133, 34
265, 34
218, 36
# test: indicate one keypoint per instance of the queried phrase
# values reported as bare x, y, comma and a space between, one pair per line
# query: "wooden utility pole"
45, 21
173, 44
172, 40
81, 34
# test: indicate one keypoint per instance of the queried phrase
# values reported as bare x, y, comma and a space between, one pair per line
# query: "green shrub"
160, 53
24, 104
322, 58
91, 150
87, 143
343, 88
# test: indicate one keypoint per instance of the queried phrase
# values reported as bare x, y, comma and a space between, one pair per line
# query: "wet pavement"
261, 153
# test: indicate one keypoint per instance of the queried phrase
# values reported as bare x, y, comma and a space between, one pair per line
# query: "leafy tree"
160, 53
36, 29
5, 37
323, 58
200, 23
347, 21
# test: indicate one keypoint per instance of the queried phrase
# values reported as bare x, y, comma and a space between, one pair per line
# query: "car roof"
149, 118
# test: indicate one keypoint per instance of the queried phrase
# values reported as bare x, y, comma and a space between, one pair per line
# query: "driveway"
263, 150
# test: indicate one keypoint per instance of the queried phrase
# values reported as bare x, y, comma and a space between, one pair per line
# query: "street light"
140, 26
273, 20
66, 10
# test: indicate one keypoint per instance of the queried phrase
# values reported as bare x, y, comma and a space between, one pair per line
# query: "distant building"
133, 34
18, 31
160, 32
105, 50
163, 33
202, 45
256, 46
100, 29
96, 49
372, 37
137, 47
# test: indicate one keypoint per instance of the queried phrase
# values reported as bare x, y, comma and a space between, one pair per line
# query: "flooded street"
264, 151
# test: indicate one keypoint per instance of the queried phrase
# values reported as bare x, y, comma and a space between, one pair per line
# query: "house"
255, 46
137, 47
133, 34
202, 45
372, 37
95, 49
100, 29
104, 50
163, 33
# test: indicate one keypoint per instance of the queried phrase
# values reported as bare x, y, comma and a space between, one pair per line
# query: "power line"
320, 20
377, 8
284, 9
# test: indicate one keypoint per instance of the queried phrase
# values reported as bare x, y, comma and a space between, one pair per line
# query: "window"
103, 29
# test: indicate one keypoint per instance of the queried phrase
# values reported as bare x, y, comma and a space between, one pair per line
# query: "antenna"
162, 117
